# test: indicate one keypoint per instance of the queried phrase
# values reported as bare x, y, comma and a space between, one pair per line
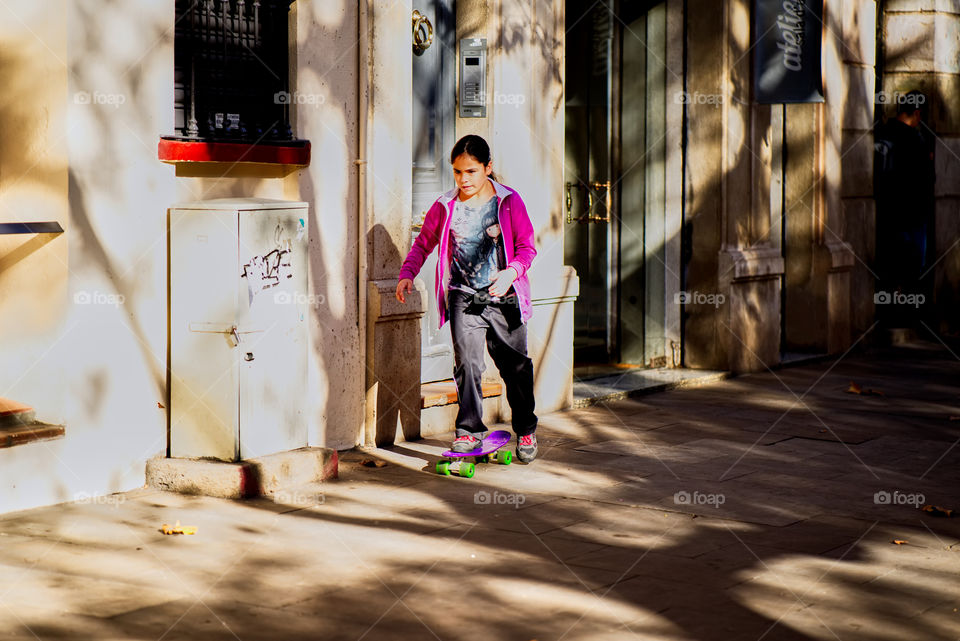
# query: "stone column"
733, 275
392, 329
856, 47
847, 157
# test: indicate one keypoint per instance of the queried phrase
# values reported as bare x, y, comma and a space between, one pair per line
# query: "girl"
485, 249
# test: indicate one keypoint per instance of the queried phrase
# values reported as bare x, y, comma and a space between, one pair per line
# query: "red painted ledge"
183, 151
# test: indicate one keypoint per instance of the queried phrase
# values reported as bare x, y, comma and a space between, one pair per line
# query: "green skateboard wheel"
443, 467
467, 470
506, 457
483, 459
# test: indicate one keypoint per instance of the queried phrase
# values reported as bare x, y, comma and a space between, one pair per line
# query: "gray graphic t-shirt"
475, 241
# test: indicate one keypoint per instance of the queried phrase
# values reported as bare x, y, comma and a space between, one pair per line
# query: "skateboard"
488, 451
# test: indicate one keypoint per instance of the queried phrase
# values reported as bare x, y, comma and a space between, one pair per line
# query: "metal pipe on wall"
364, 114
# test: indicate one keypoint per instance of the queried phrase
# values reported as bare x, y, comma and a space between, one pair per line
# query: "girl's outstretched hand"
404, 286
502, 282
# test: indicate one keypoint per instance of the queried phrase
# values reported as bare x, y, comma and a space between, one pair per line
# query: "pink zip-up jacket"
518, 244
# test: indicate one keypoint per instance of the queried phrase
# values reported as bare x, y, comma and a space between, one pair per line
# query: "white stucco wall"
103, 76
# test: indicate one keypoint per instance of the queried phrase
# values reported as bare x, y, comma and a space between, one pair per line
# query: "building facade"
678, 221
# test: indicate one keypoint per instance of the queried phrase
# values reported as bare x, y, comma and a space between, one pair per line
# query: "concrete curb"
652, 389
262, 476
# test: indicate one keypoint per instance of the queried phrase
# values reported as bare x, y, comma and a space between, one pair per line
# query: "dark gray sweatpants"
499, 329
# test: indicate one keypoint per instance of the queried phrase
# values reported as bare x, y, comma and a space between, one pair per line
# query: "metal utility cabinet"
238, 339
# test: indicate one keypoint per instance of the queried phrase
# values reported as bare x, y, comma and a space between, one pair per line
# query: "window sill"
211, 158
14, 435
18, 425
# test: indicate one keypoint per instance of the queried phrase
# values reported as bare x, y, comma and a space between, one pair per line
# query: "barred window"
231, 70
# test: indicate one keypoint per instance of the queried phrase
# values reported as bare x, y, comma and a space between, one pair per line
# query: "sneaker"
465, 443
527, 448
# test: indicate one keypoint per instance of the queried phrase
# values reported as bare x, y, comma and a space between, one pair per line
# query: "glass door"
590, 231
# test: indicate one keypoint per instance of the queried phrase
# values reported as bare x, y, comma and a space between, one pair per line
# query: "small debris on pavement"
373, 462
936, 510
178, 529
856, 389
900, 542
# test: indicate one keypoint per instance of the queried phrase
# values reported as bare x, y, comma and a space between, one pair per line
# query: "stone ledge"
911, 6
262, 476
838, 256
382, 303
751, 264
20, 434
547, 289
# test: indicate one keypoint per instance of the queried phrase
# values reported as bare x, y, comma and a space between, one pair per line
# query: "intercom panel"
473, 78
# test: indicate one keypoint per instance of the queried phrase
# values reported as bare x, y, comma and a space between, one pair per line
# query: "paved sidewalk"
751, 508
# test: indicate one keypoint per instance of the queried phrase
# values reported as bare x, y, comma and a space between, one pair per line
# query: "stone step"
263, 476
445, 393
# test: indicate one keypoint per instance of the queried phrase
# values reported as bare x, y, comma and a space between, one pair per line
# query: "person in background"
903, 188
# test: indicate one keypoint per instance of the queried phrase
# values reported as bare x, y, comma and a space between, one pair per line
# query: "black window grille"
231, 70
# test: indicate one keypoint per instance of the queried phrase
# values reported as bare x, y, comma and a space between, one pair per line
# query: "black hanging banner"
786, 52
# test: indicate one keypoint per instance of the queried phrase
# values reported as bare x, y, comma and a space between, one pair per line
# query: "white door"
203, 312
272, 351
433, 137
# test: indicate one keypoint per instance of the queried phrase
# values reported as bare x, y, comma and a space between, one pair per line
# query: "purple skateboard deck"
491, 443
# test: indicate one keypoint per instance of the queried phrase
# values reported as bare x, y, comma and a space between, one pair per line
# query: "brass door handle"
422, 33
590, 188
605, 218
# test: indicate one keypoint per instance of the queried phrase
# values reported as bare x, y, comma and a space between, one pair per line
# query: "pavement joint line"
27, 569
937, 537
145, 545
398, 599
637, 438
577, 577
799, 399
947, 451
798, 598
850, 547
199, 599
684, 383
